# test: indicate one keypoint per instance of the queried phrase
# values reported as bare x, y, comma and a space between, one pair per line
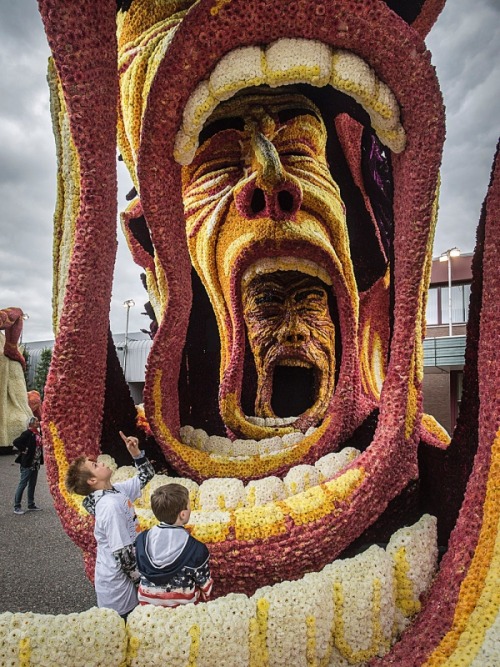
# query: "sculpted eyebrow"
288, 114
234, 123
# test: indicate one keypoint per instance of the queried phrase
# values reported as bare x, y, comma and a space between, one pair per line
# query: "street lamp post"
446, 257
25, 317
128, 304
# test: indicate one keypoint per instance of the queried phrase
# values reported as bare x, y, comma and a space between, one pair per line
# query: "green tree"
26, 354
42, 370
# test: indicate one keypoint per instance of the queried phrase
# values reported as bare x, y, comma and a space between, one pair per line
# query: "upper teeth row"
286, 62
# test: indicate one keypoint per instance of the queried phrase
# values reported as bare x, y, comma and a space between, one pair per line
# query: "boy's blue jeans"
28, 478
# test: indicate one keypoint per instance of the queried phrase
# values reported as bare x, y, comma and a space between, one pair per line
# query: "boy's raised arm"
145, 470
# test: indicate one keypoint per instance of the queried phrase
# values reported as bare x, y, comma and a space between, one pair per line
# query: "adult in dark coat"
30, 458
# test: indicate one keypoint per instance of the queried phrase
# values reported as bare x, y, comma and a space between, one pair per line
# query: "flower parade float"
14, 407
285, 161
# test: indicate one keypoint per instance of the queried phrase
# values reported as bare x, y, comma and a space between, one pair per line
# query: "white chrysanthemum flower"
108, 461
123, 473
200, 439
420, 546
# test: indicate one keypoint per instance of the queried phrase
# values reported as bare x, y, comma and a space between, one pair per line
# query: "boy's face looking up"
101, 474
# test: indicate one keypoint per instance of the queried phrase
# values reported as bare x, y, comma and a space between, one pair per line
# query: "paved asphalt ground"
41, 570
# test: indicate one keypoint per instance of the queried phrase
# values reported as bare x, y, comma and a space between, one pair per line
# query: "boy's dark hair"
77, 477
168, 501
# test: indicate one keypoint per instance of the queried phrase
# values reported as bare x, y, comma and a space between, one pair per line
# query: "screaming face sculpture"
286, 172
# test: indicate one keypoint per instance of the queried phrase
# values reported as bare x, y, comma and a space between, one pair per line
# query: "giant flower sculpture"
14, 408
285, 160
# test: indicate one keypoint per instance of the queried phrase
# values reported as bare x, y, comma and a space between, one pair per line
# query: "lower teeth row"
230, 493
220, 446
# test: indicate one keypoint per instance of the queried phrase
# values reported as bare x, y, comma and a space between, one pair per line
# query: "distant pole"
128, 304
25, 317
446, 257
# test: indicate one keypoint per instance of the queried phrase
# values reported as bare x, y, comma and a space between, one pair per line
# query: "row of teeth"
224, 493
217, 445
287, 62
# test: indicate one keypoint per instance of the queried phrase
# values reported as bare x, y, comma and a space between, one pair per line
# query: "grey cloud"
465, 51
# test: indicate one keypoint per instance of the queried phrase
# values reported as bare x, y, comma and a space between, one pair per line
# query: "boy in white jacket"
116, 525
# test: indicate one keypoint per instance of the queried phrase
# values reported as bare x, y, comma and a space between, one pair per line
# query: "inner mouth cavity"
294, 389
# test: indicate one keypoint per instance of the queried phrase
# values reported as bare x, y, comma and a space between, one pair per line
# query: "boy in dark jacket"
173, 565
30, 457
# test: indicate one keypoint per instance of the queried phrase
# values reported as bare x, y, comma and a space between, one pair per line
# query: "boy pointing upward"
116, 525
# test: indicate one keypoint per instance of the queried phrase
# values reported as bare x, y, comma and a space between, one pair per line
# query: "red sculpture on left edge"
11, 320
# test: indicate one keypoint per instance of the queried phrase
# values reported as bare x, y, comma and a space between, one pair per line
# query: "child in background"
174, 566
116, 525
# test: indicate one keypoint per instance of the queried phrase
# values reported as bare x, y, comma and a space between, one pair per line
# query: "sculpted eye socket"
217, 165
268, 298
297, 152
310, 294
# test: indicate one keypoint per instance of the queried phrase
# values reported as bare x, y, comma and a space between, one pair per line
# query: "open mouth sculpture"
285, 162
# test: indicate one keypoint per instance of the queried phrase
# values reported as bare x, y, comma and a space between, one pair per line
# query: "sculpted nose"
272, 193
292, 331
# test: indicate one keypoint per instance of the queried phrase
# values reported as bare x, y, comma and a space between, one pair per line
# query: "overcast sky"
465, 43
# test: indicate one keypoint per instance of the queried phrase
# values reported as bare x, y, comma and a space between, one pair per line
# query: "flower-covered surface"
95, 637
285, 162
14, 407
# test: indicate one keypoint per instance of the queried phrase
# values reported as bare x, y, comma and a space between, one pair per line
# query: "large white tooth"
274, 421
185, 147
199, 439
258, 421
221, 493
301, 477
270, 445
185, 434
393, 139
310, 430
386, 108
198, 109
268, 265
291, 439
290, 61
333, 463
262, 491
354, 75
245, 447
289, 420
219, 445
238, 69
